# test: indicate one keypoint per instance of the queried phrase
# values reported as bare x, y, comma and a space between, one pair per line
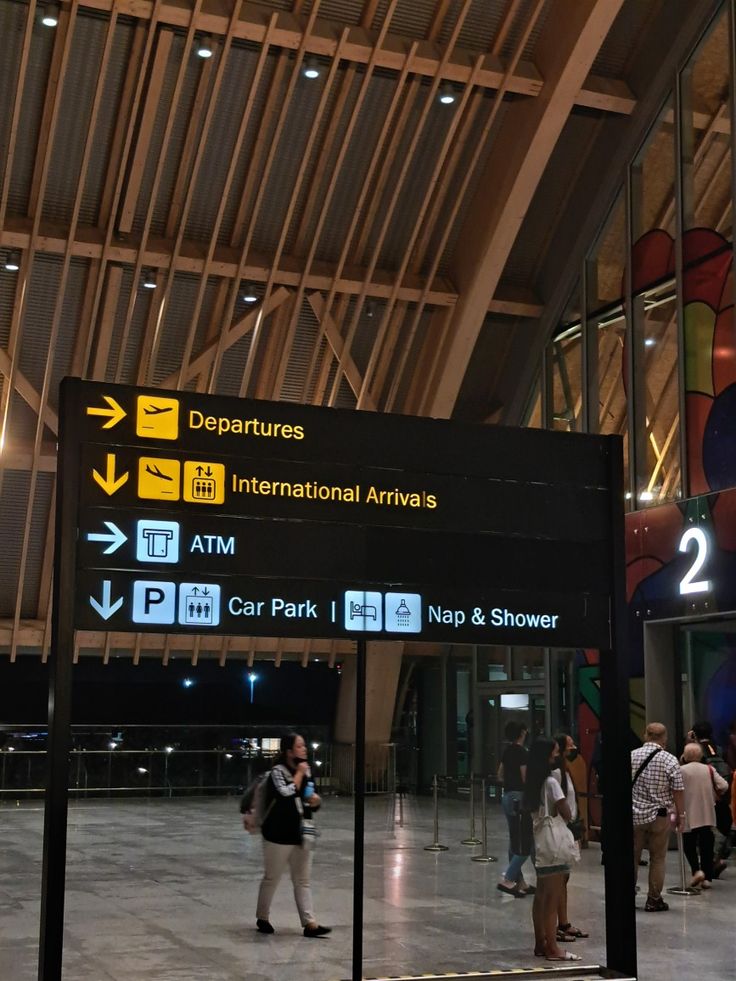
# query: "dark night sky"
150, 693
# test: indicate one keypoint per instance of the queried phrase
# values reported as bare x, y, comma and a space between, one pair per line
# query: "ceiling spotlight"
50, 15
204, 47
149, 280
311, 68
369, 310
249, 293
12, 260
649, 342
447, 94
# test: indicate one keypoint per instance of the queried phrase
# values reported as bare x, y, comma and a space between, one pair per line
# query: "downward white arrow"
106, 608
116, 538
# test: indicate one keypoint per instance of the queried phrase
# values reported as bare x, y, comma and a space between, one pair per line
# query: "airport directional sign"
186, 502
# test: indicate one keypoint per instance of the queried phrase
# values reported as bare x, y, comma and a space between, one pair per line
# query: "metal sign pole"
359, 829
51, 940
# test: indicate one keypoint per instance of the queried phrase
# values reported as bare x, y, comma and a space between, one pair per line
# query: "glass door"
500, 705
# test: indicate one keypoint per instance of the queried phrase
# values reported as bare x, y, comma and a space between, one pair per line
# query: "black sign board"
321, 522
186, 513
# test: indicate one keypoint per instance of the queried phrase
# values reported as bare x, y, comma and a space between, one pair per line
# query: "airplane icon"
157, 410
157, 417
155, 472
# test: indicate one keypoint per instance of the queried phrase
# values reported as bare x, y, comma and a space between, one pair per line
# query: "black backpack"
712, 757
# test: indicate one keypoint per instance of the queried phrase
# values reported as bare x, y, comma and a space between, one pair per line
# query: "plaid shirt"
656, 783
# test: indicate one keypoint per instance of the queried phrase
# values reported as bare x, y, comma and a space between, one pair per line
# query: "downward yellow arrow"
115, 413
108, 483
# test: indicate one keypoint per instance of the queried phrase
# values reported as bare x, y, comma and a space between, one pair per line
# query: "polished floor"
164, 890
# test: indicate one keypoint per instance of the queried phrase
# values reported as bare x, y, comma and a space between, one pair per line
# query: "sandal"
564, 938
572, 932
566, 956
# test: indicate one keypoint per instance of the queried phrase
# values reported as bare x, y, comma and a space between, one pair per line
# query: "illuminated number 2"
689, 584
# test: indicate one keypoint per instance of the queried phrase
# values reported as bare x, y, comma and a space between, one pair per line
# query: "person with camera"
656, 791
290, 799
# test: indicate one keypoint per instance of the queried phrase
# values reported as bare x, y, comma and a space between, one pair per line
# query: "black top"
284, 810
514, 757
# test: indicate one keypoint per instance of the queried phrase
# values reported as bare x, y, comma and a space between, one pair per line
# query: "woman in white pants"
289, 792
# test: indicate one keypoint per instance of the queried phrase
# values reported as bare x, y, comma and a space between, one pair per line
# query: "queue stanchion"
472, 839
484, 856
683, 889
436, 846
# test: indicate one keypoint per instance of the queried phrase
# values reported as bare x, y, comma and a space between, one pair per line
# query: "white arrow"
116, 538
106, 608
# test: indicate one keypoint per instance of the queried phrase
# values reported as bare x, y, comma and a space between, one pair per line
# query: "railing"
380, 768
163, 767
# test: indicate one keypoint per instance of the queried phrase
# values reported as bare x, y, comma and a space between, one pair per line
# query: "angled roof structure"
385, 235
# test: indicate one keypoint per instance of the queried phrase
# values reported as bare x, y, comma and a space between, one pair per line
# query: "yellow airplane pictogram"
157, 417
110, 483
115, 413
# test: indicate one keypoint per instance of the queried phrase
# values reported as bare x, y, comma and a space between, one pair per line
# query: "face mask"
572, 755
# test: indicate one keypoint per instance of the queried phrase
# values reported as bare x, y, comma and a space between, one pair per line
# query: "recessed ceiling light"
204, 47
50, 15
447, 94
12, 261
311, 68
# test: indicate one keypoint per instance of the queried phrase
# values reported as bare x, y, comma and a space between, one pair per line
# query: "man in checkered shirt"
655, 792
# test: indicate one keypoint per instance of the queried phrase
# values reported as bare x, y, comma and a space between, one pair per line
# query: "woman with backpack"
288, 799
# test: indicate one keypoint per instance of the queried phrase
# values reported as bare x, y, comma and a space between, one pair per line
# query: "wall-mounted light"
149, 280
50, 15
249, 293
12, 260
447, 94
204, 46
311, 68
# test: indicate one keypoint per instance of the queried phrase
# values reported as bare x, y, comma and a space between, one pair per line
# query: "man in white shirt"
657, 790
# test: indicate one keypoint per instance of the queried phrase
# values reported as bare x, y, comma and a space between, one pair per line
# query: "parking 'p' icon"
154, 601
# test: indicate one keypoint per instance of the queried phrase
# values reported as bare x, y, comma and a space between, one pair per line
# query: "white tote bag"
553, 840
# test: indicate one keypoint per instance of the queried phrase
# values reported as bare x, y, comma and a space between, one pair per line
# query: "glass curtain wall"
654, 336
646, 347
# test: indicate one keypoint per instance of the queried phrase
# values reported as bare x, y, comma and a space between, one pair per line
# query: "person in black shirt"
289, 798
512, 773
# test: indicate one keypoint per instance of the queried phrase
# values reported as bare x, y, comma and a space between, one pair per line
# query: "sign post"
182, 513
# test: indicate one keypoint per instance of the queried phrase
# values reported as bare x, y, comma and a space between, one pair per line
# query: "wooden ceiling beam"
157, 255
608, 95
525, 142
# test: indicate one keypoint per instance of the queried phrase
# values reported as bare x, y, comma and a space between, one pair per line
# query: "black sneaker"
316, 931
263, 926
656, 906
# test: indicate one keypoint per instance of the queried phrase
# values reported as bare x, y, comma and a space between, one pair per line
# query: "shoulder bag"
553, 840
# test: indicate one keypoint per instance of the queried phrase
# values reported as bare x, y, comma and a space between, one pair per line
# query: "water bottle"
309, 790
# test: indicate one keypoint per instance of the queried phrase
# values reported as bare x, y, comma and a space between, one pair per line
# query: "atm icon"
157, 541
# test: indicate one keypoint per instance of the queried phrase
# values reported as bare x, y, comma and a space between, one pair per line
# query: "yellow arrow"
108, 483
115, 413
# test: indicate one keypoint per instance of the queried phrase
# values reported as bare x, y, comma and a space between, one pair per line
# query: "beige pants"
275, 859
655, 837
